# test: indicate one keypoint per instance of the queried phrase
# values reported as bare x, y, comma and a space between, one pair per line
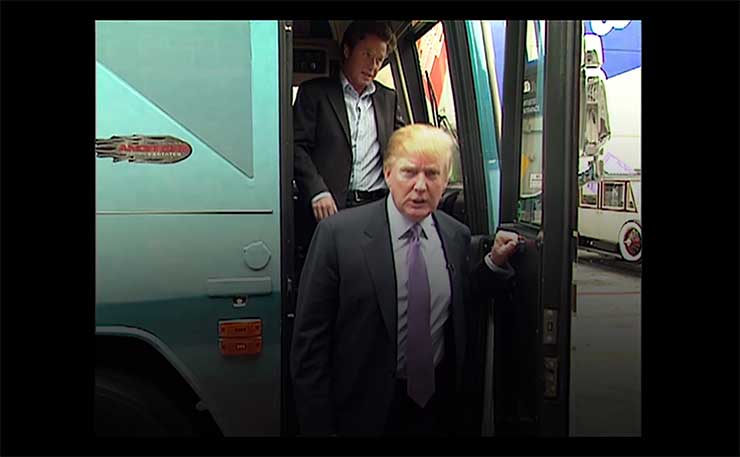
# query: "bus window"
433, 62
530, 186
385, 76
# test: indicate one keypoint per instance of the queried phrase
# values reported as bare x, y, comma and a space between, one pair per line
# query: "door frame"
288, 420
468, 127
559, 224
546, 411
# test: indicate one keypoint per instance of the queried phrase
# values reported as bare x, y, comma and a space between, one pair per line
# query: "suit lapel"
452, 249
380, 121
336, 99
379, 256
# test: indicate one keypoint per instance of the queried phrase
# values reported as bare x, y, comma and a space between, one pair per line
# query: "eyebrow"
415, 167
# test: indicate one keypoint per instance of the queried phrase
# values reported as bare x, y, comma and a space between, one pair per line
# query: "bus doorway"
434, 71
198, 257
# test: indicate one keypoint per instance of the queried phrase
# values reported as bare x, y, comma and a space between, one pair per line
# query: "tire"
129, 406
630, 241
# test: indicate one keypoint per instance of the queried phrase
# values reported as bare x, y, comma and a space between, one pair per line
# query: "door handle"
229, 287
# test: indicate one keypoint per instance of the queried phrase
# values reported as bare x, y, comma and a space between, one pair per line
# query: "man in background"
341, 127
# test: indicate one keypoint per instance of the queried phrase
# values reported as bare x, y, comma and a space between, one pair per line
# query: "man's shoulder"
457, 226
381, 88
355, 218
321, 83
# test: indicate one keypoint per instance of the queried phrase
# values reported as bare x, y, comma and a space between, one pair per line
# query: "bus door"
519, 382
539, 153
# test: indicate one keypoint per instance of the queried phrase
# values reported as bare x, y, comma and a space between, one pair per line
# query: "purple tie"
419, 357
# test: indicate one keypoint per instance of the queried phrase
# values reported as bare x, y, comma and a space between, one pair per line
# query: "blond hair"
423, 139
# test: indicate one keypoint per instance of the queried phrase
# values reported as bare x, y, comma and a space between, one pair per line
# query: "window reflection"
589, 194
435, 73
531, 181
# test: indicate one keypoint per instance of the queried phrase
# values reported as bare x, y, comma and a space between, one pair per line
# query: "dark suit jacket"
343, 355
321, 135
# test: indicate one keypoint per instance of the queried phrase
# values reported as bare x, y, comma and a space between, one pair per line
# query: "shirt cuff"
507, 271
320, 196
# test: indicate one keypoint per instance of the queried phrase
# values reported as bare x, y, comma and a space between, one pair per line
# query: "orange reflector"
241, 328
241, 346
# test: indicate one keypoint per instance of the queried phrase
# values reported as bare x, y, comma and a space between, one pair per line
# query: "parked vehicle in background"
609, 215
608, 173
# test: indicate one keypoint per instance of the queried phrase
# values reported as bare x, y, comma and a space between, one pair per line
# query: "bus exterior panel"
178, 243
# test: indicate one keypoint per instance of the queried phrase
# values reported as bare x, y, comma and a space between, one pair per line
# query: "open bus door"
538, 200
521, 383
437, 72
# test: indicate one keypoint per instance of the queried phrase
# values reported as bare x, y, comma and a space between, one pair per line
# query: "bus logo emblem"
143, 149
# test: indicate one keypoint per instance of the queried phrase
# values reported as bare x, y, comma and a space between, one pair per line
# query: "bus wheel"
630, 241
130, 406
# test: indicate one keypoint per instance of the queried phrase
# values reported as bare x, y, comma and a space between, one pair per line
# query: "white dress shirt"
367, 161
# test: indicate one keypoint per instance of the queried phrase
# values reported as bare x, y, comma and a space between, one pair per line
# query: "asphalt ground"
605, 393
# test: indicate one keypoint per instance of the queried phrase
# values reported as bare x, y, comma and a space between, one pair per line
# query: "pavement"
605, 393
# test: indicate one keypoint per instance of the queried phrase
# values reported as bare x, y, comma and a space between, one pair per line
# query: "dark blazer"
321, 135
343, 355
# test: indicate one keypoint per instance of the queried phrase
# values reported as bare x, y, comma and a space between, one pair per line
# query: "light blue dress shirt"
367, 161
439, 279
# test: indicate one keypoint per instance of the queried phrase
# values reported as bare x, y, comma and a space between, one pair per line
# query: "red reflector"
240, 346
240, 328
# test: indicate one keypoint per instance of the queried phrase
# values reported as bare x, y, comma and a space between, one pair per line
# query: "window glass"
613, 195
589, 194
295, 94
530, 185
433, 61
531, 43
630, 200
385, 76
636, 185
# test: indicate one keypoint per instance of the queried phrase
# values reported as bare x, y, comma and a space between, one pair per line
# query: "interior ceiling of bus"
331, 29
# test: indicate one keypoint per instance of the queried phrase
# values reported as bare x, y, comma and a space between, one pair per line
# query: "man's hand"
324, 207
503, 246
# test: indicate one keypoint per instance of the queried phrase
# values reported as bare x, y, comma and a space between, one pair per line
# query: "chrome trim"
206, 211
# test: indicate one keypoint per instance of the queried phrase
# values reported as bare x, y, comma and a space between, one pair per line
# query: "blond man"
380, 330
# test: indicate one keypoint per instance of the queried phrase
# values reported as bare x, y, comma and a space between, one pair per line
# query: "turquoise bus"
196, 278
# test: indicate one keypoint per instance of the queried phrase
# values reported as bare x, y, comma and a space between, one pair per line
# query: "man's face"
362, 63
416, 182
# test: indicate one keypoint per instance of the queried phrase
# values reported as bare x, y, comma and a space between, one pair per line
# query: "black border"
690, 315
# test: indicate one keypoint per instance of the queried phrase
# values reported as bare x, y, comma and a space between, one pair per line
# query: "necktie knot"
415, 232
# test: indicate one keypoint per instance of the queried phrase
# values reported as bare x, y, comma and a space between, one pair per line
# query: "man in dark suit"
379, 344
341, 126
